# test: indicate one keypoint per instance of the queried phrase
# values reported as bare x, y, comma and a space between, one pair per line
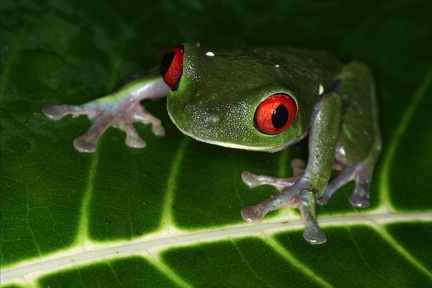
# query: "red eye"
275, 114
171, 67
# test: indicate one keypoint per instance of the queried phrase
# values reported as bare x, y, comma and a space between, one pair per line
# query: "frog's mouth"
202, 130
253, 141
227, 144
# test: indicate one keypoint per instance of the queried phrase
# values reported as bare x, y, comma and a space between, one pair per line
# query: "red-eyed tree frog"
261, 100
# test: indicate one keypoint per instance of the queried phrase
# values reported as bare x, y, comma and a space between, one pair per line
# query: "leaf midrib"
171, 237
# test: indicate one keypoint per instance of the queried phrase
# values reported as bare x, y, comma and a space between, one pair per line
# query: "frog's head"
239, 101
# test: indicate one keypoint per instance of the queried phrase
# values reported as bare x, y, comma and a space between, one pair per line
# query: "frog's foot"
312, 233
119, 110
304, 201
253, 180
361, 174
291, 195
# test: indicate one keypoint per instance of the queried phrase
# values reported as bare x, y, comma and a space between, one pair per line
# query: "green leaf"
168, 215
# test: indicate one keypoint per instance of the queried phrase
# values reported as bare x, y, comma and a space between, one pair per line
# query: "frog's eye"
171, 67
275, 114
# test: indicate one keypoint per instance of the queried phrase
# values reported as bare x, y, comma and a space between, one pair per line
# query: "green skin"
216, 101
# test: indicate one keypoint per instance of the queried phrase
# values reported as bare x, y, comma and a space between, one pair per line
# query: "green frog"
260, 100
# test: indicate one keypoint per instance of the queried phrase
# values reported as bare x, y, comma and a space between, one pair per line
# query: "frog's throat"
238, 146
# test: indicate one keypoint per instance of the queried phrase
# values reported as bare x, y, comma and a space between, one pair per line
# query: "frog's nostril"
189, 109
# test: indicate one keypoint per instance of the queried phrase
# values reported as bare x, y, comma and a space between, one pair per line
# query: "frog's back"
311, 63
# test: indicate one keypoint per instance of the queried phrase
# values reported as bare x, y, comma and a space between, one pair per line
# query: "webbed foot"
293, 194
361, 174
119, 110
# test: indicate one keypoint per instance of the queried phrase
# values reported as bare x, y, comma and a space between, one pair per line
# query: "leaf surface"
169, 215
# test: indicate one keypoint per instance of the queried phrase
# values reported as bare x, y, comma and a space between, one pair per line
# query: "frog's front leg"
120, 109
253, 180
303, 193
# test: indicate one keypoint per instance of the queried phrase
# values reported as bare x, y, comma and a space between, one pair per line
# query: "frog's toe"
158, 130
85, 144
360, 201
323, 200
139, 113
253, 180
135, 142
360, 197
54, 111
314, 235
253, 214
250, 179
100, 122
132, 137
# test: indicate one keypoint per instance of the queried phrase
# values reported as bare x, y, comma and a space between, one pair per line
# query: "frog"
264, 100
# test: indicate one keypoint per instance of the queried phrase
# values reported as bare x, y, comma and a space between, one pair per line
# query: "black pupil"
166, 62
280, 116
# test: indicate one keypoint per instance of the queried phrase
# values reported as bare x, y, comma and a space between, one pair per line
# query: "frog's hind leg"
361, 173
359, 141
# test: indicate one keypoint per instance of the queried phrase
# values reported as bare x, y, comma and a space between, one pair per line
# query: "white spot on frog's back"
320, 89
210, 54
